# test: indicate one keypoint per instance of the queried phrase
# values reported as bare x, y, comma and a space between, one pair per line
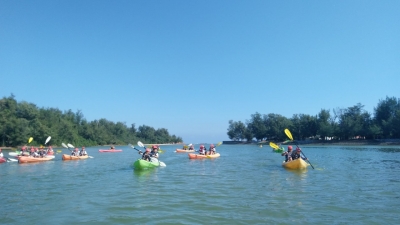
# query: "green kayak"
143, 164
279, 150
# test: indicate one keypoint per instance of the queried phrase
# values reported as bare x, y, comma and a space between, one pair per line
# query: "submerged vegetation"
21, 120
342, 124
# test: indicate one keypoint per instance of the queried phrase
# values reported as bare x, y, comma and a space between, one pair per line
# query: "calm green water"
246, 185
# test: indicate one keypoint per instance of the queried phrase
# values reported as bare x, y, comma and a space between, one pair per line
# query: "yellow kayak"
296, 164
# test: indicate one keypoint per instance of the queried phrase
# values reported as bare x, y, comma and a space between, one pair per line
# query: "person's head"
212, 146
0, 149
148, 150
36, 149
154, 147
289, 148
298, 150
23, 148
41, 147
83, 148
76, 149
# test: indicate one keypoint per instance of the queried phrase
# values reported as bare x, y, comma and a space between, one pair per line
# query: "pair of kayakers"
76, 152
203, 150
150, 153
292, 155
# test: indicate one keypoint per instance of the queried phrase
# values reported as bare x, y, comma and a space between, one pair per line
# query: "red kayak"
110, 150
2, 160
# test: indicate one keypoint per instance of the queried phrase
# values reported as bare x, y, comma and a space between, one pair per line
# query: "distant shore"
379, 142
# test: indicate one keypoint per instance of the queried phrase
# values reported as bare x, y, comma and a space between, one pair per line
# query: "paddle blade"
30, 140
218, 144
273, 145
64, 145
288, 134
47, 140
140, 144
70, 146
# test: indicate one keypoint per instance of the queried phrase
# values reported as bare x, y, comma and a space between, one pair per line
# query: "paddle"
159, 162
10, 160
287, 132
47, 140
130, 145
273, 145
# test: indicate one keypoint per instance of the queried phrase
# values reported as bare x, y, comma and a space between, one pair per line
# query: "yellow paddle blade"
287, 132
273, 145
30, 140
59, 151
219, 143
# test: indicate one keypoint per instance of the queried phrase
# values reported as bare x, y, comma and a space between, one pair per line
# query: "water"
246, 185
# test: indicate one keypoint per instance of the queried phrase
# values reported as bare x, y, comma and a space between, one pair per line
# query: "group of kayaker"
292, 155
36, 152
76, 152
150, 153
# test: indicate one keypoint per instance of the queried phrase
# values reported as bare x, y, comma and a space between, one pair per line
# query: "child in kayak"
146, 155
154, 151
288, 154
202, 151
191, 147
211, 150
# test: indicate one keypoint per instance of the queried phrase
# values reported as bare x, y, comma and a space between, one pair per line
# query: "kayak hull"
197, 156
183, 150
29, 159
296, 164
71, 157
144, 164
2, 160
110, 150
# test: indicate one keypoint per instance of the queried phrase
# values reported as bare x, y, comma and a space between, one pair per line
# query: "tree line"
21, 120
341, 124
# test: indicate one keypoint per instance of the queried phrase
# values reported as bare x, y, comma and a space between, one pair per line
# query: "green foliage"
19, 121
344, 123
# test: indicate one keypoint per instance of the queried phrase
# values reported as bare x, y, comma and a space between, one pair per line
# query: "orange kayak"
71, 157
29, 159
196, 156
183, 150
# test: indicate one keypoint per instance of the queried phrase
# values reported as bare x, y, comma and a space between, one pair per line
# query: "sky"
191, 66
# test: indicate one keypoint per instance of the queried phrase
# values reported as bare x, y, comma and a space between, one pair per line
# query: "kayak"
196, 156
278, 150
295, 164
110, 150
144, 164
29, 159
72, 157
183, 150
2, 160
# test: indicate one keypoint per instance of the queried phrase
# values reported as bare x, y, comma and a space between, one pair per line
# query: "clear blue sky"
191, 66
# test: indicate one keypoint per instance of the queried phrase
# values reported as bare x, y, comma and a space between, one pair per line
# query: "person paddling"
1, 153
75, 152
191, 147
202, 150
146, 154
297, 154
288, 153
154, 151
83, 151
211, 150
